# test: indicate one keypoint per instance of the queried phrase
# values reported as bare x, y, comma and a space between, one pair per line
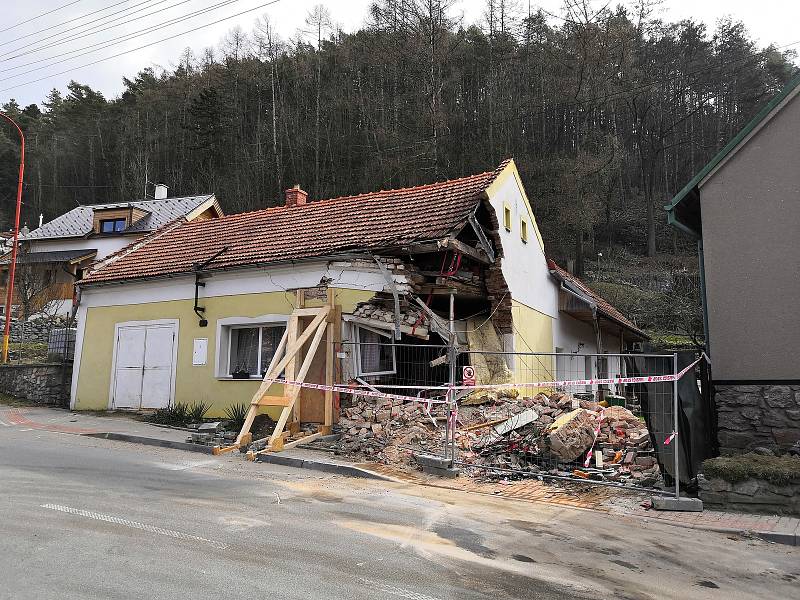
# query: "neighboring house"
744, 209
194, 311
52, 257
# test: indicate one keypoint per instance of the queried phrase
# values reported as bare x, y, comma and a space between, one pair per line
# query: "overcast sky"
27, 76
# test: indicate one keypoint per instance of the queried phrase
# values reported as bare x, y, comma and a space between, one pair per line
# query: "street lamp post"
12, 269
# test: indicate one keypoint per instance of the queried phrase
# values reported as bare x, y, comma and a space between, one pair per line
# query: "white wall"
524, 264
103, 245
232, 283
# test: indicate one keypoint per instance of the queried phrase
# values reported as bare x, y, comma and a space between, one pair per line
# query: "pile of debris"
390, 431
552, 434
543, 434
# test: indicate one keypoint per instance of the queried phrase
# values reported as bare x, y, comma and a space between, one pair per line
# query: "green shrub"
779, 470
197, 411
237, 413
177, 414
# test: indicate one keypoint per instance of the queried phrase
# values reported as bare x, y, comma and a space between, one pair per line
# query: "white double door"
144, 367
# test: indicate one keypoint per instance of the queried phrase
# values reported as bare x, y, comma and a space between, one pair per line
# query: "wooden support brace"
278, 364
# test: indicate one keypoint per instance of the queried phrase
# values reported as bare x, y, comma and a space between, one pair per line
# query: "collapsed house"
197, 311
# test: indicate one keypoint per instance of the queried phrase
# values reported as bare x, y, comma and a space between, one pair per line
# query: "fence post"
452, 356
677, 441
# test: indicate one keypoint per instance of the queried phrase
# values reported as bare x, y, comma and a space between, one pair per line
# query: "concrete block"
449, 473
429, 460
682, 504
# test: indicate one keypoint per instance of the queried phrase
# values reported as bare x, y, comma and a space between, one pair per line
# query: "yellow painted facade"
192, 383
533, 332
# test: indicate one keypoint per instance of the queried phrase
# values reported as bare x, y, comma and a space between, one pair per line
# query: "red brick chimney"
296, 196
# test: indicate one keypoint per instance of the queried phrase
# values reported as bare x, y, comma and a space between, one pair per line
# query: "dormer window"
112, 225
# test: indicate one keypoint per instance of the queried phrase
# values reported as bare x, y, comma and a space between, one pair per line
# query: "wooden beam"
463, 248
291, 367
278, 364
273, 401
293, 389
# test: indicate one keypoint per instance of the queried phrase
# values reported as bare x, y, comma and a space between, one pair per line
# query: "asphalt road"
88, 518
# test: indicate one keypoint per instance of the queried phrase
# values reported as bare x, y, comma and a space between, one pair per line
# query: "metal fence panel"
533, 414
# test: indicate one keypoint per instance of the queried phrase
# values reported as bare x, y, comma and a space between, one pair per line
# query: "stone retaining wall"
752, 416
42, 383
751, 496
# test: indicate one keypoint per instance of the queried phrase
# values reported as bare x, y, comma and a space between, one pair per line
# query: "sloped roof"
675, 208
56, 256
79, 221
371, 221
604, 308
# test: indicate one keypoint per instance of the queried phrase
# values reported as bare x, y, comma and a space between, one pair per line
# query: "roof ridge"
96, 204
494, 173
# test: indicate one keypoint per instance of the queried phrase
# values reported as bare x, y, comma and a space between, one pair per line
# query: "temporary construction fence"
604, 418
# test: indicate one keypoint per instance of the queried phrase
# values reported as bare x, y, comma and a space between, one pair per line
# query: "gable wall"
751, 220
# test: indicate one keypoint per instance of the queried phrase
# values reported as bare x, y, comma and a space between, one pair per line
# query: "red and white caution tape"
342, 389
671, 437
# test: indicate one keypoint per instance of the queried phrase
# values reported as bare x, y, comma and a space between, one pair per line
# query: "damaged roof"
371, 221
79, 222
604, 308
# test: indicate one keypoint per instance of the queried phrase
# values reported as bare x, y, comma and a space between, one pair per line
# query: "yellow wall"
533, 332
193, 383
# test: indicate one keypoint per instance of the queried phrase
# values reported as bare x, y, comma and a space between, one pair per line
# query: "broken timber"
287, 355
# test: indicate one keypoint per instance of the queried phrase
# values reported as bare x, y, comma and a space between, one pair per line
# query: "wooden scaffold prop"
288, 355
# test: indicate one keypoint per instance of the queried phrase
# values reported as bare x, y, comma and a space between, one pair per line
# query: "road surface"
89, 518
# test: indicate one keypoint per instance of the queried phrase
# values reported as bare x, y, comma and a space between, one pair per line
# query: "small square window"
112, 225
523, 230
507, 217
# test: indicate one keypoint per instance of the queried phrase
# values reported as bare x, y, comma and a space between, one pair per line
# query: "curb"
321, 466
776, 537
138, 439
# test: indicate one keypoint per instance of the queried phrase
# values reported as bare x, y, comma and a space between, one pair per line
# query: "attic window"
112, 225
523, 230
507, 217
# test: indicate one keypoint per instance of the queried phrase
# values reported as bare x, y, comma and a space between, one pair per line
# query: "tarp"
696, 439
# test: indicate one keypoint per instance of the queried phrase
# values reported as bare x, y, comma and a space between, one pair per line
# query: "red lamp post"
12, 269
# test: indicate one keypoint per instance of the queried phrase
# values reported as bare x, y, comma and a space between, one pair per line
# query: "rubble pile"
543, 434
557, 440
410, 316
390, 431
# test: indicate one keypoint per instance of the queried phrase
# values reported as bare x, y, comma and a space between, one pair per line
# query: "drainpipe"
701, 257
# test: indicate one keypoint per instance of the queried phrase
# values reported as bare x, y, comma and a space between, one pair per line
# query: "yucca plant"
237, 413
197, 411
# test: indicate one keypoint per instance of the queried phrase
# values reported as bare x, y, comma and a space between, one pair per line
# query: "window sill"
230, 378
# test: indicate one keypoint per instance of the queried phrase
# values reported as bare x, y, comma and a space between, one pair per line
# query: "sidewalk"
612, 501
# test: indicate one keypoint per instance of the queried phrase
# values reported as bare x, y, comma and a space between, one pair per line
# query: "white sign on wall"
200, 351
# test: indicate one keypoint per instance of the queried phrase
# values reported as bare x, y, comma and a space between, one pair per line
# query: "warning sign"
468, 376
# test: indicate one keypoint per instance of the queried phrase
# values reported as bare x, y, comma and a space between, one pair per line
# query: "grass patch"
779, 470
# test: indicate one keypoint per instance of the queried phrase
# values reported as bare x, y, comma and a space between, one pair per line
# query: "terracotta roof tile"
371, 221
603, 306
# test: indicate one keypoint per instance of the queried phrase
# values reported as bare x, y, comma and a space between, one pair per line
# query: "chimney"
296, 196
160, 192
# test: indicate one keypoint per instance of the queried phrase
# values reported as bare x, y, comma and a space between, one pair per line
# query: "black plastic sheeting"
697, 439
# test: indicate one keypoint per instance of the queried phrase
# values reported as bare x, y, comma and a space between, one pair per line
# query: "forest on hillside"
607, 110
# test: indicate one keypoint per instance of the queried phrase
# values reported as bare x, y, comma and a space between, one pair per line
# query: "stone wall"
751, 495
752, 416
42, 383
36, 329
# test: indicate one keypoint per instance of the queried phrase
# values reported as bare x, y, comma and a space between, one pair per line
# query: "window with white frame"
251, 347
375, 352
